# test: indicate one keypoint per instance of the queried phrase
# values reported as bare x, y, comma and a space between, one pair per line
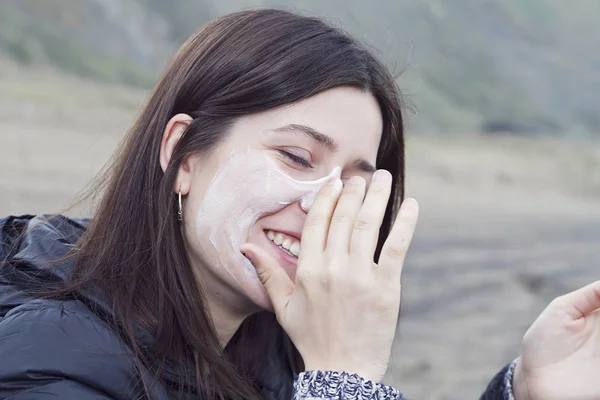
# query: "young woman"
249, 241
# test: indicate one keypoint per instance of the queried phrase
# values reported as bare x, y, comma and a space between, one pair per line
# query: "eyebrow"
325, 141
319, 137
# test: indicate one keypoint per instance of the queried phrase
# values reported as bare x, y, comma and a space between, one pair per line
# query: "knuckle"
315, 273
335, 264
354, 190
306, 276
394, 252
360, 285
314, 220
340, 219
265, 276
326, 272
363, 285
363, 223
378, 188
330, 275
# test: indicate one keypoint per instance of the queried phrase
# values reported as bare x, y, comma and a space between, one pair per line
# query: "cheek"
246, 188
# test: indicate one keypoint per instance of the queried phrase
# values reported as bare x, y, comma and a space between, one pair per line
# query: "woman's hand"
561, 350
342, 310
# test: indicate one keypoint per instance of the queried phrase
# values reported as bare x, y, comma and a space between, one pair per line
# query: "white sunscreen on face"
247, 186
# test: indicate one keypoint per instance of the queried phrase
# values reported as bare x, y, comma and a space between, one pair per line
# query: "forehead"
350, 116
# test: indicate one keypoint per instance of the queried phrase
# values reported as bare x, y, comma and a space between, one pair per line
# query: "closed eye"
294, 158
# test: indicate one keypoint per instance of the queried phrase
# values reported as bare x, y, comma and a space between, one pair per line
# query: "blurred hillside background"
518, 65
503, 106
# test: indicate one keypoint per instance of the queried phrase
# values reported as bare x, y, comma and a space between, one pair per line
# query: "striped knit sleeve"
330, 385
508, 390
500, 387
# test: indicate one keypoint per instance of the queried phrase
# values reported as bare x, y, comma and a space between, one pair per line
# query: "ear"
173, 132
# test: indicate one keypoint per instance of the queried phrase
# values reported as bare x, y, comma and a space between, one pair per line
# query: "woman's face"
257, 185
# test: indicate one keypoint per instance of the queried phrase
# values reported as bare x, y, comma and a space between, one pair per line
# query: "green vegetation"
30, 41
527, 66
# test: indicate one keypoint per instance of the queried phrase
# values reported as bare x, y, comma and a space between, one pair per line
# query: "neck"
227, 308
225, 316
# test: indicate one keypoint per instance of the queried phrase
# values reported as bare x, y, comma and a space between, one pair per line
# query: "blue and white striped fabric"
330, 385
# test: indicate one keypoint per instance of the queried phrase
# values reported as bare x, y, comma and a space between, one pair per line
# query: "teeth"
287, 243
278, 239
295, 249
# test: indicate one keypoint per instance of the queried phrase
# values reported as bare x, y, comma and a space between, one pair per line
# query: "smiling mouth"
286, 243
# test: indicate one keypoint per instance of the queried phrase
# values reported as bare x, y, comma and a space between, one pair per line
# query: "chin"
249, 287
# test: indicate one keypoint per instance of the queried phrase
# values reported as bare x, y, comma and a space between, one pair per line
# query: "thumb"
277, 283
581, 302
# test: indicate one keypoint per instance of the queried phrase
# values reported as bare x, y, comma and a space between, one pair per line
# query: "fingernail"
410, 202
355, 180
337, 171
248, 254
381, 175
338, 185
335, 174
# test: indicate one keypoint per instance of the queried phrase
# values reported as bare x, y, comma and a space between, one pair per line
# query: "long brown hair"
134, 248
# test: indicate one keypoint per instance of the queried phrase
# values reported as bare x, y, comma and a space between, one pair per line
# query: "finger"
346, 210
314, 232
581, 302
396, 246
277, 283
365, 231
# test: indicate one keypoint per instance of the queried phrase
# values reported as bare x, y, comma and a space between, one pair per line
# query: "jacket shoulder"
53, 345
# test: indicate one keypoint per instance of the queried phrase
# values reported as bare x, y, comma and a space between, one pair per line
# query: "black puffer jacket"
51, 348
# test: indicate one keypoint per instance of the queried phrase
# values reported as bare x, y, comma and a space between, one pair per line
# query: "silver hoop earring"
180, 208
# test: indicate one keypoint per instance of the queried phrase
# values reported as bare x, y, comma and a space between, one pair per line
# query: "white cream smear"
247, 186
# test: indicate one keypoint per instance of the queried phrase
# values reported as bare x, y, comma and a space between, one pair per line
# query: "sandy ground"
507, 223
